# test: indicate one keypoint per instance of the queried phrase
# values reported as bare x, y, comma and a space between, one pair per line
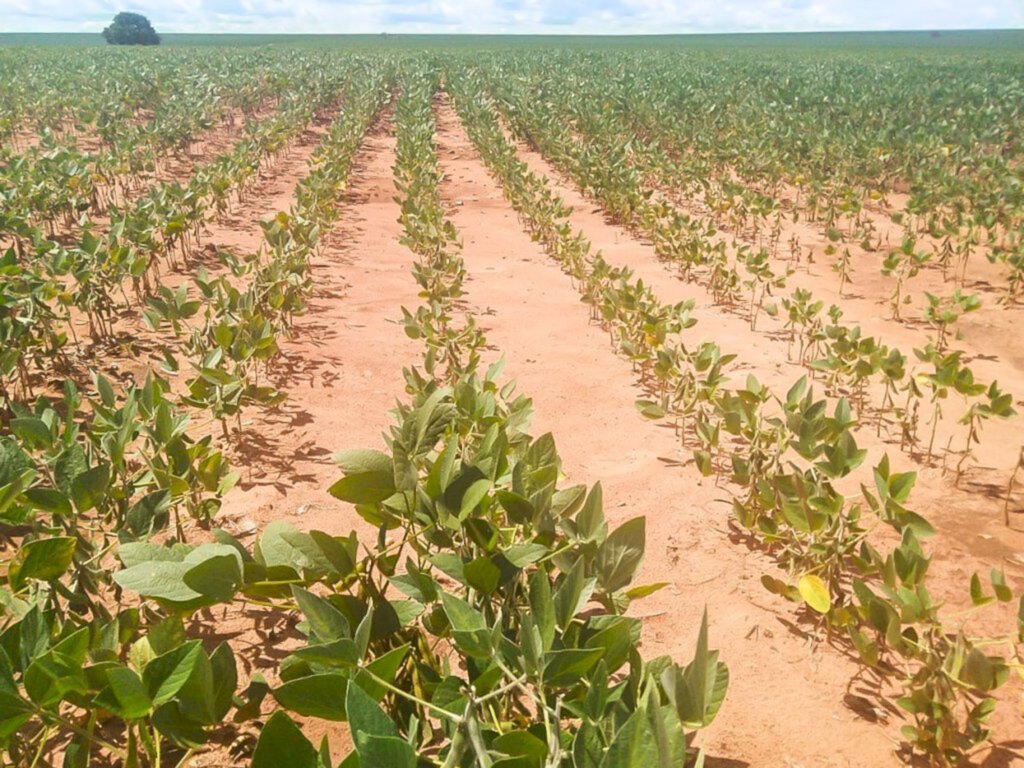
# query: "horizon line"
701, 33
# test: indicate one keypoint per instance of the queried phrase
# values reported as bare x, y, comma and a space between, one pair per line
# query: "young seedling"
844, 268
902, 265
761, 283
942, 313
948, 373
1009, 486
997, 404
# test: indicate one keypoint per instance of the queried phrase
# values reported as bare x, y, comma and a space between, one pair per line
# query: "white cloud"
515, 16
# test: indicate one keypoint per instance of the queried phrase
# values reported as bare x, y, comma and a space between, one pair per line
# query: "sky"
515, 16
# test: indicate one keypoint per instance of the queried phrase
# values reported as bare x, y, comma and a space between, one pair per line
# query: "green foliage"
85, 476
486, 622
131, 29
539, 662
786, 453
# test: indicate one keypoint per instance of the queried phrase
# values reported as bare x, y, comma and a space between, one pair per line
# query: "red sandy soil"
343, 365
988, 339
972, 514
970, 532
794, 699
583, 394
342, 368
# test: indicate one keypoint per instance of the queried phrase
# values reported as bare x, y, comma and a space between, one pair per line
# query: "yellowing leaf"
815, 593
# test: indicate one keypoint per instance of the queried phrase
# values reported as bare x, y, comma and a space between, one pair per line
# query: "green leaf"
977, 594
522, 744
158, 579
106, 392
339, 552
88, 488
326, 623
150, 513
473, 496
698, 690
986, 673
483, 575
568, 667
519, 509
644, 590
469, 630
590, 524
339, 653
58, 672
389, 751
405, 612
43, 559
449, 696
14, 712
49, 500
166, 675
587, 747
365, 717
441, 472
541, 607
71, 463
620, 555
901, 484
617, 636
281, 743
365, 487
217, 574
573, 592
208, 574
225, 679
320, 695
362, 461
249, 705
383, 668
866, 647
282, 544
14, 462
527, 553
170, 721
32, 431
649, 409
1003, 593
450, 564
416, 584
128, 698
139, 552
634, 745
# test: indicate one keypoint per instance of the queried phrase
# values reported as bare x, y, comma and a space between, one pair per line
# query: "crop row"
61, 95
89, 669
50, 282
827, 346
785, 456
834, 137
513, 648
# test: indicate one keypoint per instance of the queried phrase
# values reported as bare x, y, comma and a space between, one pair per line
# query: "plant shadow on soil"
291, 371
1004, 754
725, 762
866, 695
275, 455
260, 637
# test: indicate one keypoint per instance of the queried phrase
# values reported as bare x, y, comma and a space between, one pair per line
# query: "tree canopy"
131, 29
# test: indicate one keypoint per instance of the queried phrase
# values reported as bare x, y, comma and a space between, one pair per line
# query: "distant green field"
944, 40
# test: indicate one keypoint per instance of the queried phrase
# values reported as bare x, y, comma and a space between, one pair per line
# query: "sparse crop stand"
271, 319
